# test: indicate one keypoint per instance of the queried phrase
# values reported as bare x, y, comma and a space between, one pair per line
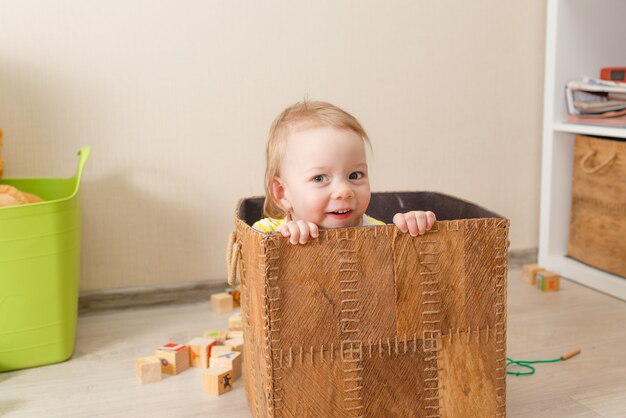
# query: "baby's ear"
280, 194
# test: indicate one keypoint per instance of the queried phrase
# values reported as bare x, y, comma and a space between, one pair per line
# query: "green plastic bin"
39, 268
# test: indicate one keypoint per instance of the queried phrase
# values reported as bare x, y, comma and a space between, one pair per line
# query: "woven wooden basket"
598, 213
371, 322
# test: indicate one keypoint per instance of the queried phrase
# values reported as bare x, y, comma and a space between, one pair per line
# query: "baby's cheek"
315, 207
365, 200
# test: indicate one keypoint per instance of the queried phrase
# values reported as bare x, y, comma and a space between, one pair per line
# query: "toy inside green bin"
39, 266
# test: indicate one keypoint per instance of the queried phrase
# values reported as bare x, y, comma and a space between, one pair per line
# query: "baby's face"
324, 177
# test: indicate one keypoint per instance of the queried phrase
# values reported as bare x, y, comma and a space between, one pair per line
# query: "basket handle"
233, 251
591, 170
83, 155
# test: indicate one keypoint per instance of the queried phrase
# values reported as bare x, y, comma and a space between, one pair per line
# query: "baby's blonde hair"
303, 115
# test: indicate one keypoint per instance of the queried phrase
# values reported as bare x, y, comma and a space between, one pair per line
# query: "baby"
316, 175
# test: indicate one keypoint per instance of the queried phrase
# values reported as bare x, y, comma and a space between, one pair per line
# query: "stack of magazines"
595, 101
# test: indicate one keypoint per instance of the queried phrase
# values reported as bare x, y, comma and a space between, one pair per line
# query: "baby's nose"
343, 191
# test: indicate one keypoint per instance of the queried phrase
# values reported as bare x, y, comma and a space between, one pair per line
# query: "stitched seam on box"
272, 330
500, 272
429, 251
351, 350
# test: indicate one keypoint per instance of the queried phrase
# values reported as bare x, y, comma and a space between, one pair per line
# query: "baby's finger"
411, 221
430, 220
283, 229
294, 233
420, 217
400, 222
314, 230
304, 231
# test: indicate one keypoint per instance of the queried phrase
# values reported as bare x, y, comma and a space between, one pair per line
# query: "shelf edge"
591, 277
575, 128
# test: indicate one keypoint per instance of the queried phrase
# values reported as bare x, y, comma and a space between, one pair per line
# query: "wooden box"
373, 322
598, 213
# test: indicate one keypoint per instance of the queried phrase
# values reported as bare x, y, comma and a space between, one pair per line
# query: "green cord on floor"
526, 364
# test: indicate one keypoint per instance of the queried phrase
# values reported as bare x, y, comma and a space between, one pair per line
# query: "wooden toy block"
217, 380
235, 322
234, 334
148, 369
236, 344
217, 335
235, 292
220, 349
548, 281
231, 361
221, 302
200, 351
529, 273
174, 358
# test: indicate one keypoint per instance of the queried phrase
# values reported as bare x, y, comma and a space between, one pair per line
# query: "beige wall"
176, 99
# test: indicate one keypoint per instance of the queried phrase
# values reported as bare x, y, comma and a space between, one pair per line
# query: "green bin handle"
83, 153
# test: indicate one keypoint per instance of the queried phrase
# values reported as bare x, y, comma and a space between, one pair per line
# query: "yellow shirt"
268, 225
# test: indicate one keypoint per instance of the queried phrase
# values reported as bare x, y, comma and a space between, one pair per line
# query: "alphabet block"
548, 281
235, 322
220, 349
174, 358
236, 344
217, 380
231, 361
234, 334
217, 335
200, 351
529, 273
221, 302
148, 369
235, 292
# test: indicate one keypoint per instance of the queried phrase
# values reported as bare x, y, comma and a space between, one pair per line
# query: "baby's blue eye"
320, 178
356, 175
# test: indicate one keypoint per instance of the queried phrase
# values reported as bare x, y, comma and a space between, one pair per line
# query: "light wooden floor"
99, 381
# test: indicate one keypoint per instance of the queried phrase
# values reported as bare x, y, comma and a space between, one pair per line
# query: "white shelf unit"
582, 36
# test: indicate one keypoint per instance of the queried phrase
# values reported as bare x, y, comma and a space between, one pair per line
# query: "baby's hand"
298, 231
415, 222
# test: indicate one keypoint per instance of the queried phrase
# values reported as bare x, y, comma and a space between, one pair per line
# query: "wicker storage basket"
598, 214
373, 322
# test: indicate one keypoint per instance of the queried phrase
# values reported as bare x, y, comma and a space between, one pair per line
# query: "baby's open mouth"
340, 215
341, 212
